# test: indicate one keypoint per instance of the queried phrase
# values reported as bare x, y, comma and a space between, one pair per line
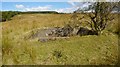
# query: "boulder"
85, 31
92, 32
75, 30
43, 39
63, 32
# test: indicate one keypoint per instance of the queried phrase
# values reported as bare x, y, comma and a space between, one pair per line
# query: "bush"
57, 53
7, 15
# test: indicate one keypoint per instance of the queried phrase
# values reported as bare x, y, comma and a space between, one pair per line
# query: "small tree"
99, 15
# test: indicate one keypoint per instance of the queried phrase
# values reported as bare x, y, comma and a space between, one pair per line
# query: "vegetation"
101, 15
7, 15
75, 50
42, 12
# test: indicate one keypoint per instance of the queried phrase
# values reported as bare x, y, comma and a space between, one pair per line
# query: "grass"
0, 44
76, 50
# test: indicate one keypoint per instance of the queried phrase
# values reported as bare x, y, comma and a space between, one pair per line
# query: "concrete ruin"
54, 33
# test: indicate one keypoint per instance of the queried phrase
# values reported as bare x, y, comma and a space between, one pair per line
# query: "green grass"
76, 50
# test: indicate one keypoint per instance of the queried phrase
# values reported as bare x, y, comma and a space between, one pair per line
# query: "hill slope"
83, 50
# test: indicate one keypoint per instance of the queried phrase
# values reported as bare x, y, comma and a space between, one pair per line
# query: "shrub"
7, 15
57, 54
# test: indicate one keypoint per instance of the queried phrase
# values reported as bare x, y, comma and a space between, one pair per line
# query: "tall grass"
84, 50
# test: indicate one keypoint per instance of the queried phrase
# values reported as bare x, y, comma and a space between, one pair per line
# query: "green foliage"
7, 15
100, 16
43, 12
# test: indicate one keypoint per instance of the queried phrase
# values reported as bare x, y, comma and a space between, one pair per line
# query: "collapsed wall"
59, 32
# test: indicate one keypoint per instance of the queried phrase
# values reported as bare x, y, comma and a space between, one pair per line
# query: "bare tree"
99, 15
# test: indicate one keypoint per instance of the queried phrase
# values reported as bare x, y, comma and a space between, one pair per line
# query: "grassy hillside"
0, 44
7, 15
101, 49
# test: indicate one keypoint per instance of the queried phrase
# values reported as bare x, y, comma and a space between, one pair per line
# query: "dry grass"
84, 50
0, 44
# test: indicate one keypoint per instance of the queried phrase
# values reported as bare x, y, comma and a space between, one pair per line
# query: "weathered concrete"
54, 33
